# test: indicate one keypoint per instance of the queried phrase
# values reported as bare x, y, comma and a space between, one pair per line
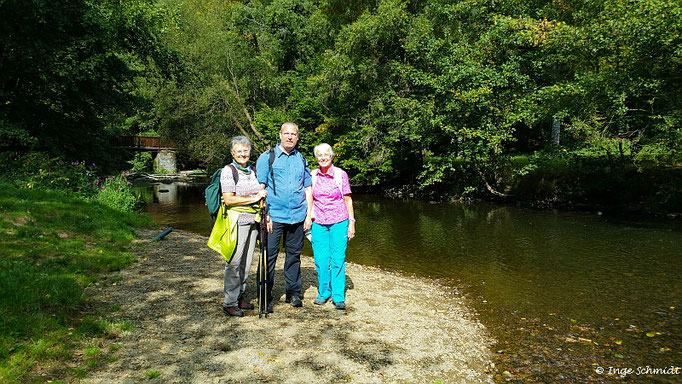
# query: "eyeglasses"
244, 152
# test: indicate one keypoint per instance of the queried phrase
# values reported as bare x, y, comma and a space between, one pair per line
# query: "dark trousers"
293, 245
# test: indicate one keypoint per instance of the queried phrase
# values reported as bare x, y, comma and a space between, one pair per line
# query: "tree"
68, 66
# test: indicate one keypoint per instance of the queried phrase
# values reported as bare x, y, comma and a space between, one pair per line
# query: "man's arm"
262, 170
263, 173
309, 208
268, 219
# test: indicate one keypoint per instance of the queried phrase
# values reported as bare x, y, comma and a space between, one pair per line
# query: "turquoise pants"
329, 248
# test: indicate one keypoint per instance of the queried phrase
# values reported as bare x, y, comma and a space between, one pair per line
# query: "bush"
38, 171
142, 162
589, 177
116, 193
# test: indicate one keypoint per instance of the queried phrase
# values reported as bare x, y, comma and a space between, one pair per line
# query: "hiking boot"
319, 301
295, 300
245, 305
233, 311
341, 305
270, 307
289, 296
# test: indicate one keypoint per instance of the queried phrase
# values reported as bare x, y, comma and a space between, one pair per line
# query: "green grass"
53, 246
152, 374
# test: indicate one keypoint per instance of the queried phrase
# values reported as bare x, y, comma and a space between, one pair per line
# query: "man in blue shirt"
290, 206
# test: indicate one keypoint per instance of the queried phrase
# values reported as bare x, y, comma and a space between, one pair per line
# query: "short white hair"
324, 147
239, 140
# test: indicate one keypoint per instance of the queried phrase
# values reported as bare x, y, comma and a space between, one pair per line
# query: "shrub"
36, 170
142, 162
116, 193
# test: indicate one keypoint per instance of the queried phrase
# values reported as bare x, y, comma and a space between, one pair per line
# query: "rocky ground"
397, 329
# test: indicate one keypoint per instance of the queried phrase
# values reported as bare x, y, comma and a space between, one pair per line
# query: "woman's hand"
351, 229
262, 194
308, 223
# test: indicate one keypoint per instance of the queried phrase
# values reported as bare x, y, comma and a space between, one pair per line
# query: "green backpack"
213, 192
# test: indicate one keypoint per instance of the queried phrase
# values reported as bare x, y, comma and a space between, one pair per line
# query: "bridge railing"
148, 142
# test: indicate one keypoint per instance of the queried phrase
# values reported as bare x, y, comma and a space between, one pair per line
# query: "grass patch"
92, 351
53, 246
152, 374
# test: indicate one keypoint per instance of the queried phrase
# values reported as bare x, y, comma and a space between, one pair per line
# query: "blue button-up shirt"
289, 205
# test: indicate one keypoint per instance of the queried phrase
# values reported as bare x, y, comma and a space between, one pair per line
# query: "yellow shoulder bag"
223, 238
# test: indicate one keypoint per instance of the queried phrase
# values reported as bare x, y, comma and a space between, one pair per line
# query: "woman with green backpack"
240, 192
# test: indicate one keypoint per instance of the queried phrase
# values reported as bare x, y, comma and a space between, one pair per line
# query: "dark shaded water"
563, 293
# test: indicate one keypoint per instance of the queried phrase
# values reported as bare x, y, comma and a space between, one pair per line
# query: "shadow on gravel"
173, 297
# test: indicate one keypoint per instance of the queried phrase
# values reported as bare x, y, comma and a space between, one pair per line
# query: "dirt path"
397, 329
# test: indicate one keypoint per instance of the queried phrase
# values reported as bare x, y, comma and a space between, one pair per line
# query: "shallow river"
564, 294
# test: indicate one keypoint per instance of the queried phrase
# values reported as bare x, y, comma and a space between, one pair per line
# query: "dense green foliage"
69, 73
116, 193
454, 96
55, 244
459, 94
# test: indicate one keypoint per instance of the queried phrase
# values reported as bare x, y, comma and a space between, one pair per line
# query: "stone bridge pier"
165, 161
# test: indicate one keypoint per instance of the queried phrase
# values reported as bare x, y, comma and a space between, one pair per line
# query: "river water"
563, 293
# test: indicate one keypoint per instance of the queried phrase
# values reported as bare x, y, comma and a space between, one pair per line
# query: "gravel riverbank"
397, 329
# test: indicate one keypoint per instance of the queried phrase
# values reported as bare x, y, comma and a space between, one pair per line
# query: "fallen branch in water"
490, 188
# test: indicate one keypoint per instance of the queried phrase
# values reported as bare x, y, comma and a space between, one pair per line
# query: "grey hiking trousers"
237, 270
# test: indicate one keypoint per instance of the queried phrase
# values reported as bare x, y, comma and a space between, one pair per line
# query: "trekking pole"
263, 263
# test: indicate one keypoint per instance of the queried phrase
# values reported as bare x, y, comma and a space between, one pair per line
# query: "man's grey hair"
239, 140
290, 124
324, 147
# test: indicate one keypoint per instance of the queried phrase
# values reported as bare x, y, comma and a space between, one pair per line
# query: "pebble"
350, 357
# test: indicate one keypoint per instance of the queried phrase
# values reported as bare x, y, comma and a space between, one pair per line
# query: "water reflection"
166, 194
177, 205
576, 263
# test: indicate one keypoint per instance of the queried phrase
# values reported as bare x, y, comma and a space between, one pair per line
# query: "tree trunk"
556, 132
